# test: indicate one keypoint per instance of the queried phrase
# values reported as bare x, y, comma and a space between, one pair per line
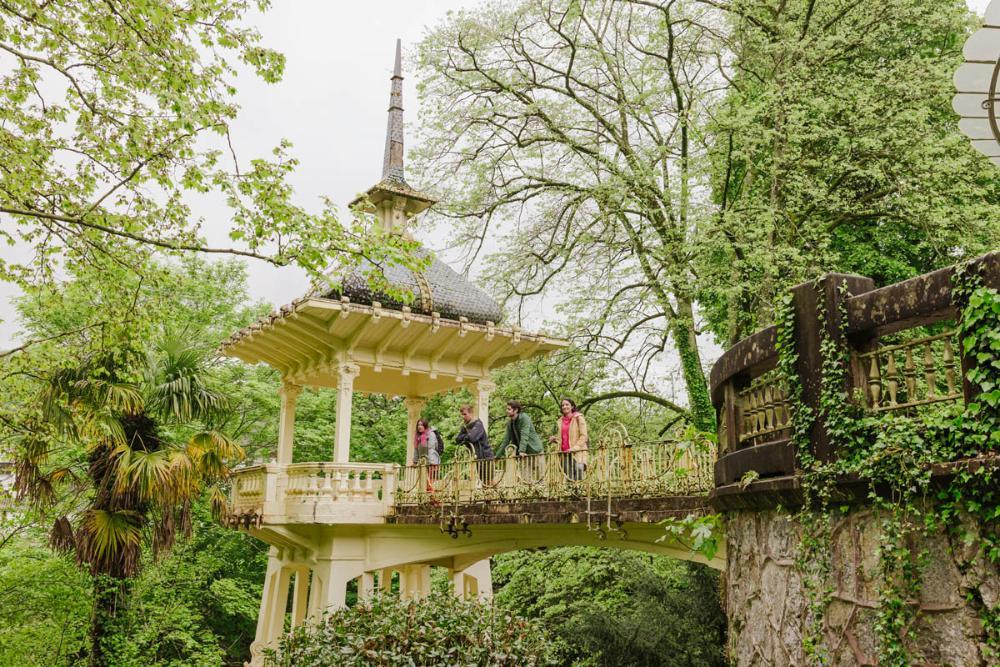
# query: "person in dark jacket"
472, 434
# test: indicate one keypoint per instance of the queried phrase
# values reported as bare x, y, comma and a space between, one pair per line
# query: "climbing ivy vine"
893, 456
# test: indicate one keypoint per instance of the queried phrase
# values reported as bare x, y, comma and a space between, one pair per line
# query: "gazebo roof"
446, 339
399, 352
438, 289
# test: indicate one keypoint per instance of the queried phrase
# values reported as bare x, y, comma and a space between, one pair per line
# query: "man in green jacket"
520, 431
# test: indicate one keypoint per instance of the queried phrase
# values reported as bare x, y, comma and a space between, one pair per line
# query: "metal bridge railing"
615, 468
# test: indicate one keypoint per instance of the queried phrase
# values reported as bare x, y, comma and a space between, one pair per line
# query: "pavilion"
357, 340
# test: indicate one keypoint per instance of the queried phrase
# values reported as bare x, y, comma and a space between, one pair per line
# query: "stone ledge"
555, 511
787, 491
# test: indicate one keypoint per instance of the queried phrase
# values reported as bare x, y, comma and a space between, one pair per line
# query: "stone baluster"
930, 372
875, 383
910, 376
949, 366
893, 375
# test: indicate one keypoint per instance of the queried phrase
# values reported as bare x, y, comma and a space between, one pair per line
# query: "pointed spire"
392, 164
393, 200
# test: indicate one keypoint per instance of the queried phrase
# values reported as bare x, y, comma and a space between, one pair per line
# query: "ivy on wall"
893, 455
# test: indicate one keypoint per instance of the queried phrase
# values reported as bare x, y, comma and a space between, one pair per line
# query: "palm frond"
179, 387
149, 475
213, 452
61, 537
109, 541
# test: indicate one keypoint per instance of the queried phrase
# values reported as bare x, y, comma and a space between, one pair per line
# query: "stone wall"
767, 606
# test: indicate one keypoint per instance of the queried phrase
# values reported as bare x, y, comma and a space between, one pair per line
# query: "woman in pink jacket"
573, 439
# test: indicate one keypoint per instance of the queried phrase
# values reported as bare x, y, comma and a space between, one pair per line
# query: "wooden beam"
352, 340
302, 326
421, 337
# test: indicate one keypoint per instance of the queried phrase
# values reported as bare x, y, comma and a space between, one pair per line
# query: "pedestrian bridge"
331, 523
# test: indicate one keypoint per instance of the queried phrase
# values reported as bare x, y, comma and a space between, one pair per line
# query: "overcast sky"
331, 104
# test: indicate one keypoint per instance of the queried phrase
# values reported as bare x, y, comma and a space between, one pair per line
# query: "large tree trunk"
109, 592
683, 333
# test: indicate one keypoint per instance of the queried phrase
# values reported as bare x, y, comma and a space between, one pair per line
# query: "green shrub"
440, 630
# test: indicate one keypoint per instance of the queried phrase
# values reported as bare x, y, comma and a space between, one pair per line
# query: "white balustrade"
315, 492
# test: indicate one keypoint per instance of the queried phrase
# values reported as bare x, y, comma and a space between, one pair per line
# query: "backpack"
438, 442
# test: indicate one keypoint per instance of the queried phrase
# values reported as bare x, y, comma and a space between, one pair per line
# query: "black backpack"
439, 446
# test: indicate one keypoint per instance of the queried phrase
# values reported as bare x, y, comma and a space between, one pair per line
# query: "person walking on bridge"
520, 431
473, 435
573, 439
521, 434
428, 446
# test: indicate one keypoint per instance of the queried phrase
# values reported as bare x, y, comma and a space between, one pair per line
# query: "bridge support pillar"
474, 582
270, 620
415, 582
385, 580
366, 586
300, 596
329, 587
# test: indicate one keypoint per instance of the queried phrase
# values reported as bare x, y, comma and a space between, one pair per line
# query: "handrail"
613, 470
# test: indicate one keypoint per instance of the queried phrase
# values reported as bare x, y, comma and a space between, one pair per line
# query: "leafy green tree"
115, 114
45, 604
196, 606
836, 149
439, 630
576, 126
611, 607
146, 450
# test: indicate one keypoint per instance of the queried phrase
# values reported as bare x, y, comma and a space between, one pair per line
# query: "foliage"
611, 607
197, 606
576, 127
705, 532
894, 455
45, 605
117, 115
440, 630
814, 164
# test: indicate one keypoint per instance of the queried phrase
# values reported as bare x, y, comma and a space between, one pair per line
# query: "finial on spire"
392, 164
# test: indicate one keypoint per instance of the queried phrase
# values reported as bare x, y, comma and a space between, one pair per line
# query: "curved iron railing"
615, 467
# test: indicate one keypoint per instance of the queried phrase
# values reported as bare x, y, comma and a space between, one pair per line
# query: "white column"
415, 581
481, 392
385, 580
366, 586
300, 596
414, 406
286, 421
329, 589
345, 392
267, 599
483, 578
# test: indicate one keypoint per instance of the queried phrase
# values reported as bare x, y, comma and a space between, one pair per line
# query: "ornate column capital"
290, 389
414, 402
486, 386
347, 372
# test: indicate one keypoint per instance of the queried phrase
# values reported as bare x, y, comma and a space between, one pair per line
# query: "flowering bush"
439, 630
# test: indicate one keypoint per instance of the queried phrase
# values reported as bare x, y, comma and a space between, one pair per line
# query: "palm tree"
135, 437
